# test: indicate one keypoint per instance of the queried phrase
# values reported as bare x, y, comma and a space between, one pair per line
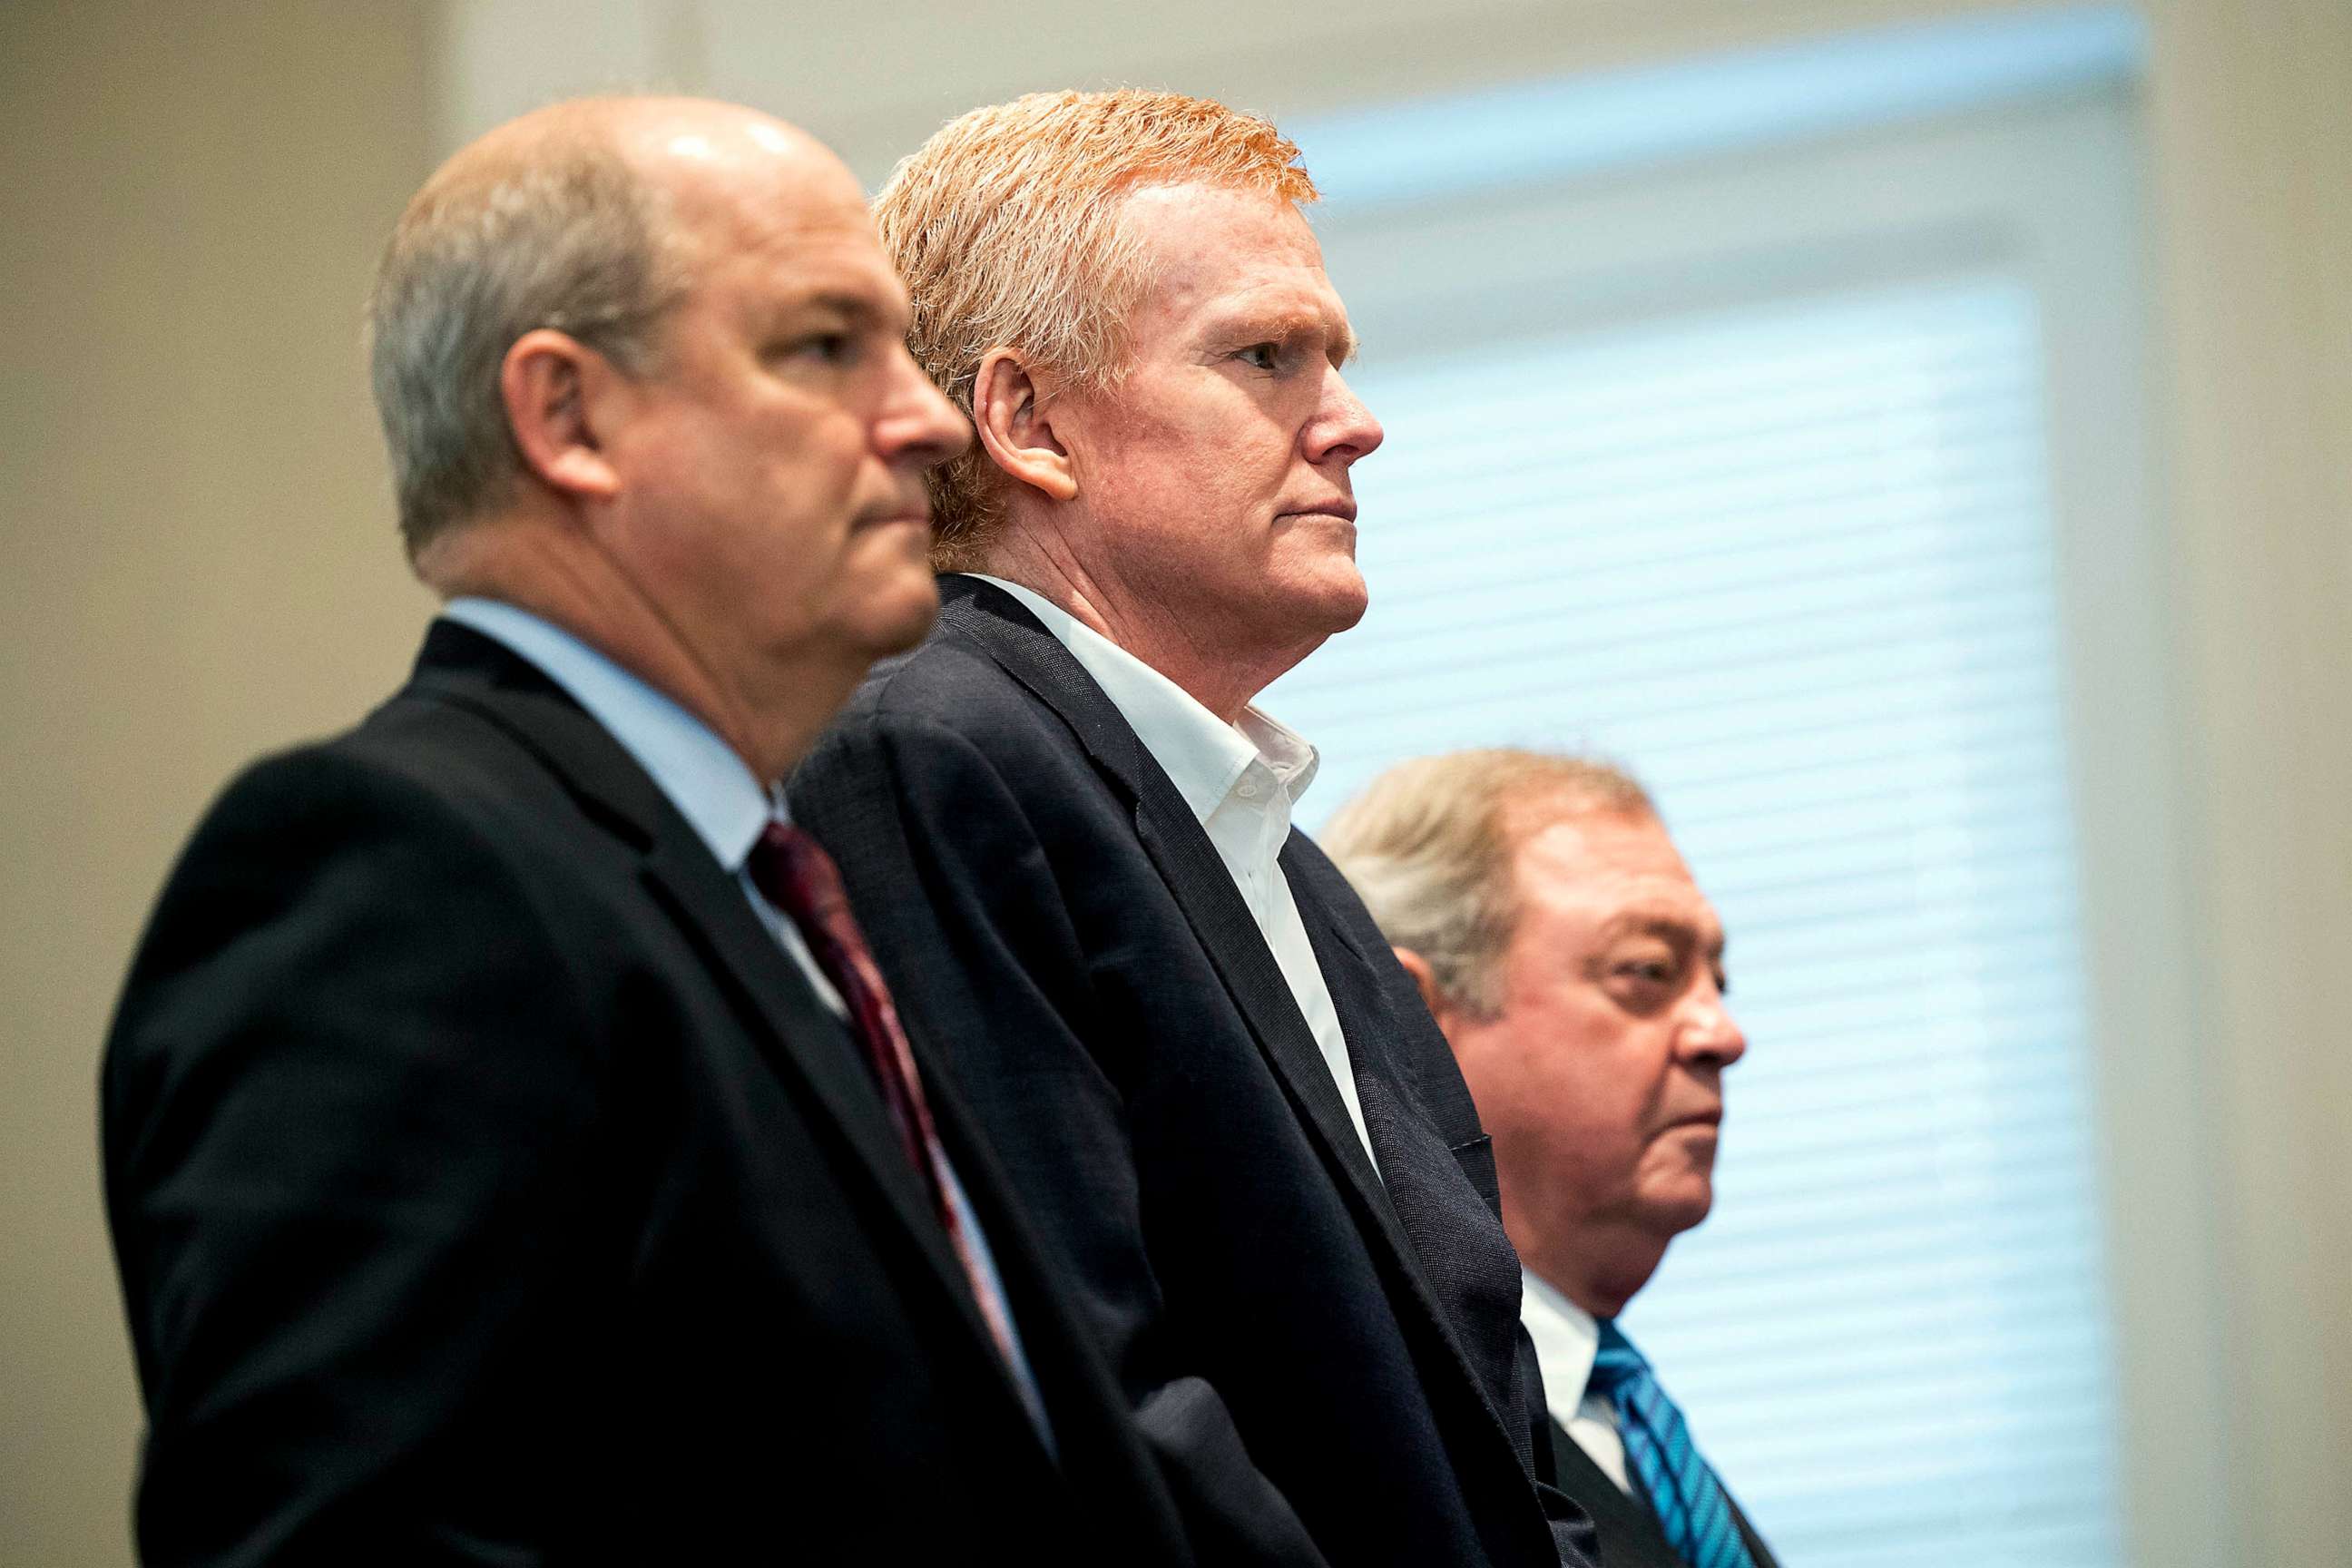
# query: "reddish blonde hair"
1005, 225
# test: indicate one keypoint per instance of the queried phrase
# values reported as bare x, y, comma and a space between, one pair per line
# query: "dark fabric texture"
1629, 1534
1327, 1364
490, 1188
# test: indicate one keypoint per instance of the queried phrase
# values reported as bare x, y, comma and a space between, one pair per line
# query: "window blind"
1791, 562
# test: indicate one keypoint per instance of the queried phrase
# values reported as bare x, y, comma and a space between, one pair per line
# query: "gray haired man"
1578, 973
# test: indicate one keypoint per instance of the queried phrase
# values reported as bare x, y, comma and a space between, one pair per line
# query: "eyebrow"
1286, 324
1345, 343
856, 311
855, 306
1667, 927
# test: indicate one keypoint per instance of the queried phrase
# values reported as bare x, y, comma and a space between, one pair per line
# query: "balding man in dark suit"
511, 1155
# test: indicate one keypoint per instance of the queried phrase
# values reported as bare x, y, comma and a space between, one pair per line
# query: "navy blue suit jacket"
1326, 1359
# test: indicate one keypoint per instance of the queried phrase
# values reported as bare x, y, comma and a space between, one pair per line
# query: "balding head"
643, 367
587, 217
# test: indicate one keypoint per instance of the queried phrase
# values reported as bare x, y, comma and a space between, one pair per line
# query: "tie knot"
1616, 1362
795, 874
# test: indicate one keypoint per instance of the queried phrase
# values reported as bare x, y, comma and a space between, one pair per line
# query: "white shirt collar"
1202, 755
711, 786
1566, 1339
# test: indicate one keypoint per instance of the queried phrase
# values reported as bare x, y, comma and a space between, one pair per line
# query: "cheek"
1532, 1086
1596, 1093
1261, 448
818, 460
1207, 443
1171, 520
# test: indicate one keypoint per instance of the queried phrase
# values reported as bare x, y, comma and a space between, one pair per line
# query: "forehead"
1599, 866
1212, 248
795, 220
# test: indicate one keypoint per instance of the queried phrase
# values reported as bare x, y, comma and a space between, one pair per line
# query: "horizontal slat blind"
1792, 563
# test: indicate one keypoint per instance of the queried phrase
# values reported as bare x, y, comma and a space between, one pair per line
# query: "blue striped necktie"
1692, 1510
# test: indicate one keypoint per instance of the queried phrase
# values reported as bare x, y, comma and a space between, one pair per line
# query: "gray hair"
1432, 844
570, 239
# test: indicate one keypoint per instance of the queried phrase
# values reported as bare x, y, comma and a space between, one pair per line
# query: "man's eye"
1263, 357
825, 348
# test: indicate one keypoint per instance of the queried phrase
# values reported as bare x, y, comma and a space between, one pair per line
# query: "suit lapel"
1213, 906
1628, 1535
796, 1033
1629, 1530
1424, 1173
1362, 1006
1181, 851
1364, 1019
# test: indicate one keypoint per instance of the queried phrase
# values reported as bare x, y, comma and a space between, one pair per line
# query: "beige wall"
203, 566
2252, 149
200, 564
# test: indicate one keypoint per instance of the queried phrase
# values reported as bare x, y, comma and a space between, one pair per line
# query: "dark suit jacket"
488, 1187
1315, 1351
1629, 1531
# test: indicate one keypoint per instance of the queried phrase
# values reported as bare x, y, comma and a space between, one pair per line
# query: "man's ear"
1008, 409
558, 396
1425, 979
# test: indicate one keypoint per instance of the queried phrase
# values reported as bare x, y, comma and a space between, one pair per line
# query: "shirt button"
1248, 792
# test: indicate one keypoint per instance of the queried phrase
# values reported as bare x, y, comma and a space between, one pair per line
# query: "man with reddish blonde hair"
1067, 829
1008, 228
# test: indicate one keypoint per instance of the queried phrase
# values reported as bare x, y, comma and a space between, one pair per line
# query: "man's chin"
913, 610
1341, 600
1679, 1206
909, 538
887, 597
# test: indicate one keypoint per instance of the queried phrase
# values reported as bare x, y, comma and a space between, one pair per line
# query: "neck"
1600, 1267
555, 572
1214, 671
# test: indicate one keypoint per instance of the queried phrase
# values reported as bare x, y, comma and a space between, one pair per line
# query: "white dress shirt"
1566, 1339
1240, 781
713, 789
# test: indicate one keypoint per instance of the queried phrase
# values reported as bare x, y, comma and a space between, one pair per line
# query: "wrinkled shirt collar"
1202, 755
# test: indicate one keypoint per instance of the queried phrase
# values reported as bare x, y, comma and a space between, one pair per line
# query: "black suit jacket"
1629, 1531
488, 1187
1319, 1354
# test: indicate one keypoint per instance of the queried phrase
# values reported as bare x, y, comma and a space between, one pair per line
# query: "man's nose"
1708, 1031
1342, 427
918, 425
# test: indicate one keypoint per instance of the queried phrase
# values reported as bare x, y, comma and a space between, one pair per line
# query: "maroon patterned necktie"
795, 874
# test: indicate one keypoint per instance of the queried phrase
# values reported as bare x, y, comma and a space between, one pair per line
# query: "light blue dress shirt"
727, 808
